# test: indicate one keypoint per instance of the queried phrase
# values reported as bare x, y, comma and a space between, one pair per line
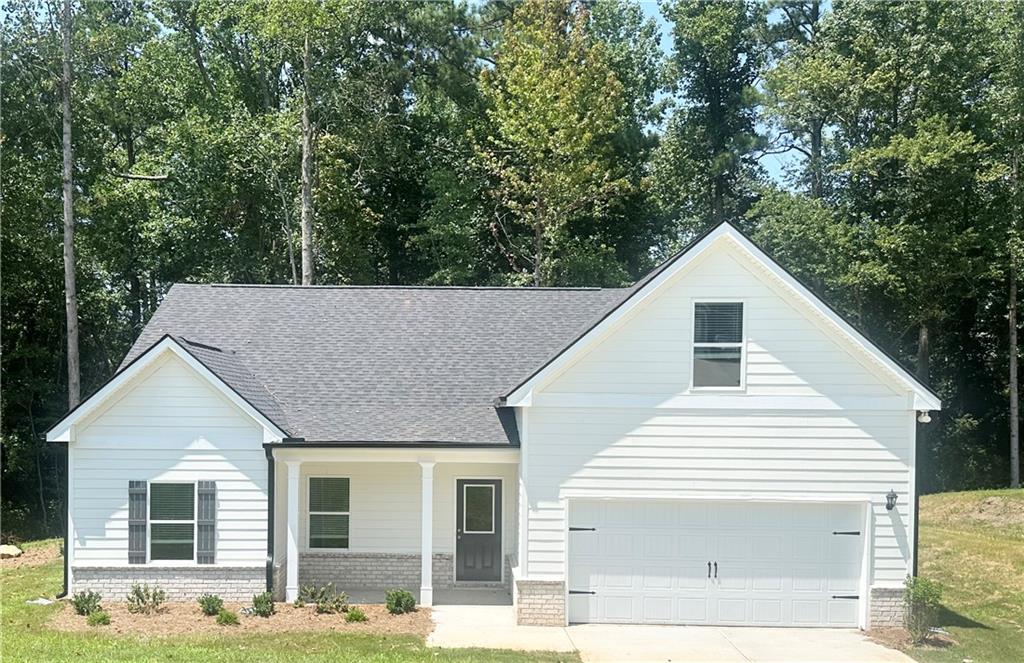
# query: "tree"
706, 161
70, 291
554, 107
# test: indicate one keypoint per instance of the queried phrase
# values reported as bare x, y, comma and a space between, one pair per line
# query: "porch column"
427, 535
291, 591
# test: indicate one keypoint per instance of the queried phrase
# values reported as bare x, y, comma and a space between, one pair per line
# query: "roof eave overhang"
65, 429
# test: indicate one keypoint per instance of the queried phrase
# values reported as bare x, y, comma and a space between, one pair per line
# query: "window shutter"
206, 521
136, 522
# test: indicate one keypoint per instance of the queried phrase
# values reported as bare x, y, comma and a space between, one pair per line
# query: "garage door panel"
778, 564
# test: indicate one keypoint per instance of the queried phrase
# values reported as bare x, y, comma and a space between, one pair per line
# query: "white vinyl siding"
384, 512
814, 421
168, 425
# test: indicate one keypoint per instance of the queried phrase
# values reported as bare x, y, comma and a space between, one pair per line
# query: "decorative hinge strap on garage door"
846, 596
582, 529
852, 533
136, 522
580, 591
206, 519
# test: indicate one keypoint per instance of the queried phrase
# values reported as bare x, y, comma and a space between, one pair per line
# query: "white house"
714, 445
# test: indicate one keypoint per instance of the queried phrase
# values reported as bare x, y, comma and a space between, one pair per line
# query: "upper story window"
718, 345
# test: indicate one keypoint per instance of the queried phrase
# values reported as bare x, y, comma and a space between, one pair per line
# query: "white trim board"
920, 397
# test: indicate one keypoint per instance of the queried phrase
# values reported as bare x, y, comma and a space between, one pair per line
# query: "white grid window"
718, 345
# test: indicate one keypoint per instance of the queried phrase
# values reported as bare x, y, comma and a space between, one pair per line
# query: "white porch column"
427, 535
291, 591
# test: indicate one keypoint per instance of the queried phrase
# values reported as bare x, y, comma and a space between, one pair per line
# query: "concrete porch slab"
459, 596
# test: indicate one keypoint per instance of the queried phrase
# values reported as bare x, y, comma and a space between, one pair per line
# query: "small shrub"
98, 618
922, 599
355, 615
86, 602
263, 604
210, 604
145, 600
227, 618
327, 599
399, 601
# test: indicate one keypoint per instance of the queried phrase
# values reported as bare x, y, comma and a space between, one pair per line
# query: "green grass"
26, 637
973, 544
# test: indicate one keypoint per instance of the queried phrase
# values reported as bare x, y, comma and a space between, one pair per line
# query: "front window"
718, 344
172, 521
328, 512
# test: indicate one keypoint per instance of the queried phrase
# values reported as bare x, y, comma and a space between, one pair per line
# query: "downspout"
269, 450
66, 504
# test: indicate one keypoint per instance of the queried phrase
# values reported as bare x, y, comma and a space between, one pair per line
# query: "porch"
439, 522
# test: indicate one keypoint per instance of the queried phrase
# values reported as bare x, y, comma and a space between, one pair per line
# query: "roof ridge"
286, 286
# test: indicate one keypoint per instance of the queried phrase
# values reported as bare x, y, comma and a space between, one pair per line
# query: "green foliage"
399, 601
263, 604
227, 617
146, 600
554, 106
210, 604
87, 602
923, 599
355, 614
98, 618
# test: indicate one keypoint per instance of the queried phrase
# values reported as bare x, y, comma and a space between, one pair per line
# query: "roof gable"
766, 268
191, 354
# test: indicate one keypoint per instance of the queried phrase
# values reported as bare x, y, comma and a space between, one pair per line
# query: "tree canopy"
541, 142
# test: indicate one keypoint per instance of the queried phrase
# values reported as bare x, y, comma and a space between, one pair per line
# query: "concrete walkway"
494, 627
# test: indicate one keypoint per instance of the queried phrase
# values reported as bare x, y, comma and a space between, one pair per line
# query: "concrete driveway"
495, 627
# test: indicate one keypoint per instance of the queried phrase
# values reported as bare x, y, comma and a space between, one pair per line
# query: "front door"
478, 530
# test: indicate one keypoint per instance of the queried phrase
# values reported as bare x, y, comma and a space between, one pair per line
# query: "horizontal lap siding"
734, 452
170, 426
385, 514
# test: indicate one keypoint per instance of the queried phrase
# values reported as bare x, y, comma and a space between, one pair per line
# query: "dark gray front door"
478, 530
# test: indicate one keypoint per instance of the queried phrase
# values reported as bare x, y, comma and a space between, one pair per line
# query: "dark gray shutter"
206, 520
136, 522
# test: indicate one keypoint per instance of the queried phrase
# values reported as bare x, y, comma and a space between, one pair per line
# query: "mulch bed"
899, 638
177, 619
35, 556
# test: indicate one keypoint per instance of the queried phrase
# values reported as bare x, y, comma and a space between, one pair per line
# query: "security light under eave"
923, 417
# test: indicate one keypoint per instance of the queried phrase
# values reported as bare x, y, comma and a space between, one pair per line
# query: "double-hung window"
718, 345
328, 512
172, 521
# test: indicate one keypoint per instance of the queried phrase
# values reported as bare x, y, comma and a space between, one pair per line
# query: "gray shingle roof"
375, 364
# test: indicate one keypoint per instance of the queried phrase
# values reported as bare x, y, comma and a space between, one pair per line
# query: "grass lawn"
973, 543
25, 637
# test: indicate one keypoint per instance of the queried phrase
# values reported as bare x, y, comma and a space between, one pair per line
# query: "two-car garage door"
697, 562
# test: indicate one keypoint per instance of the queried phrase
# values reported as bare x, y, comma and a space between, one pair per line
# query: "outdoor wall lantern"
890, 500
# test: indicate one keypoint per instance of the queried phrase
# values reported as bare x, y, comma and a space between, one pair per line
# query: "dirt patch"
187, 619
899, 638
34, 556
1002, 513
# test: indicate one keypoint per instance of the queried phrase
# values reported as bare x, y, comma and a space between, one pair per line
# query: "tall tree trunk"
1012, 315
538, 251
1014, 386
815, 165
307, 173
923, 353
70, 292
